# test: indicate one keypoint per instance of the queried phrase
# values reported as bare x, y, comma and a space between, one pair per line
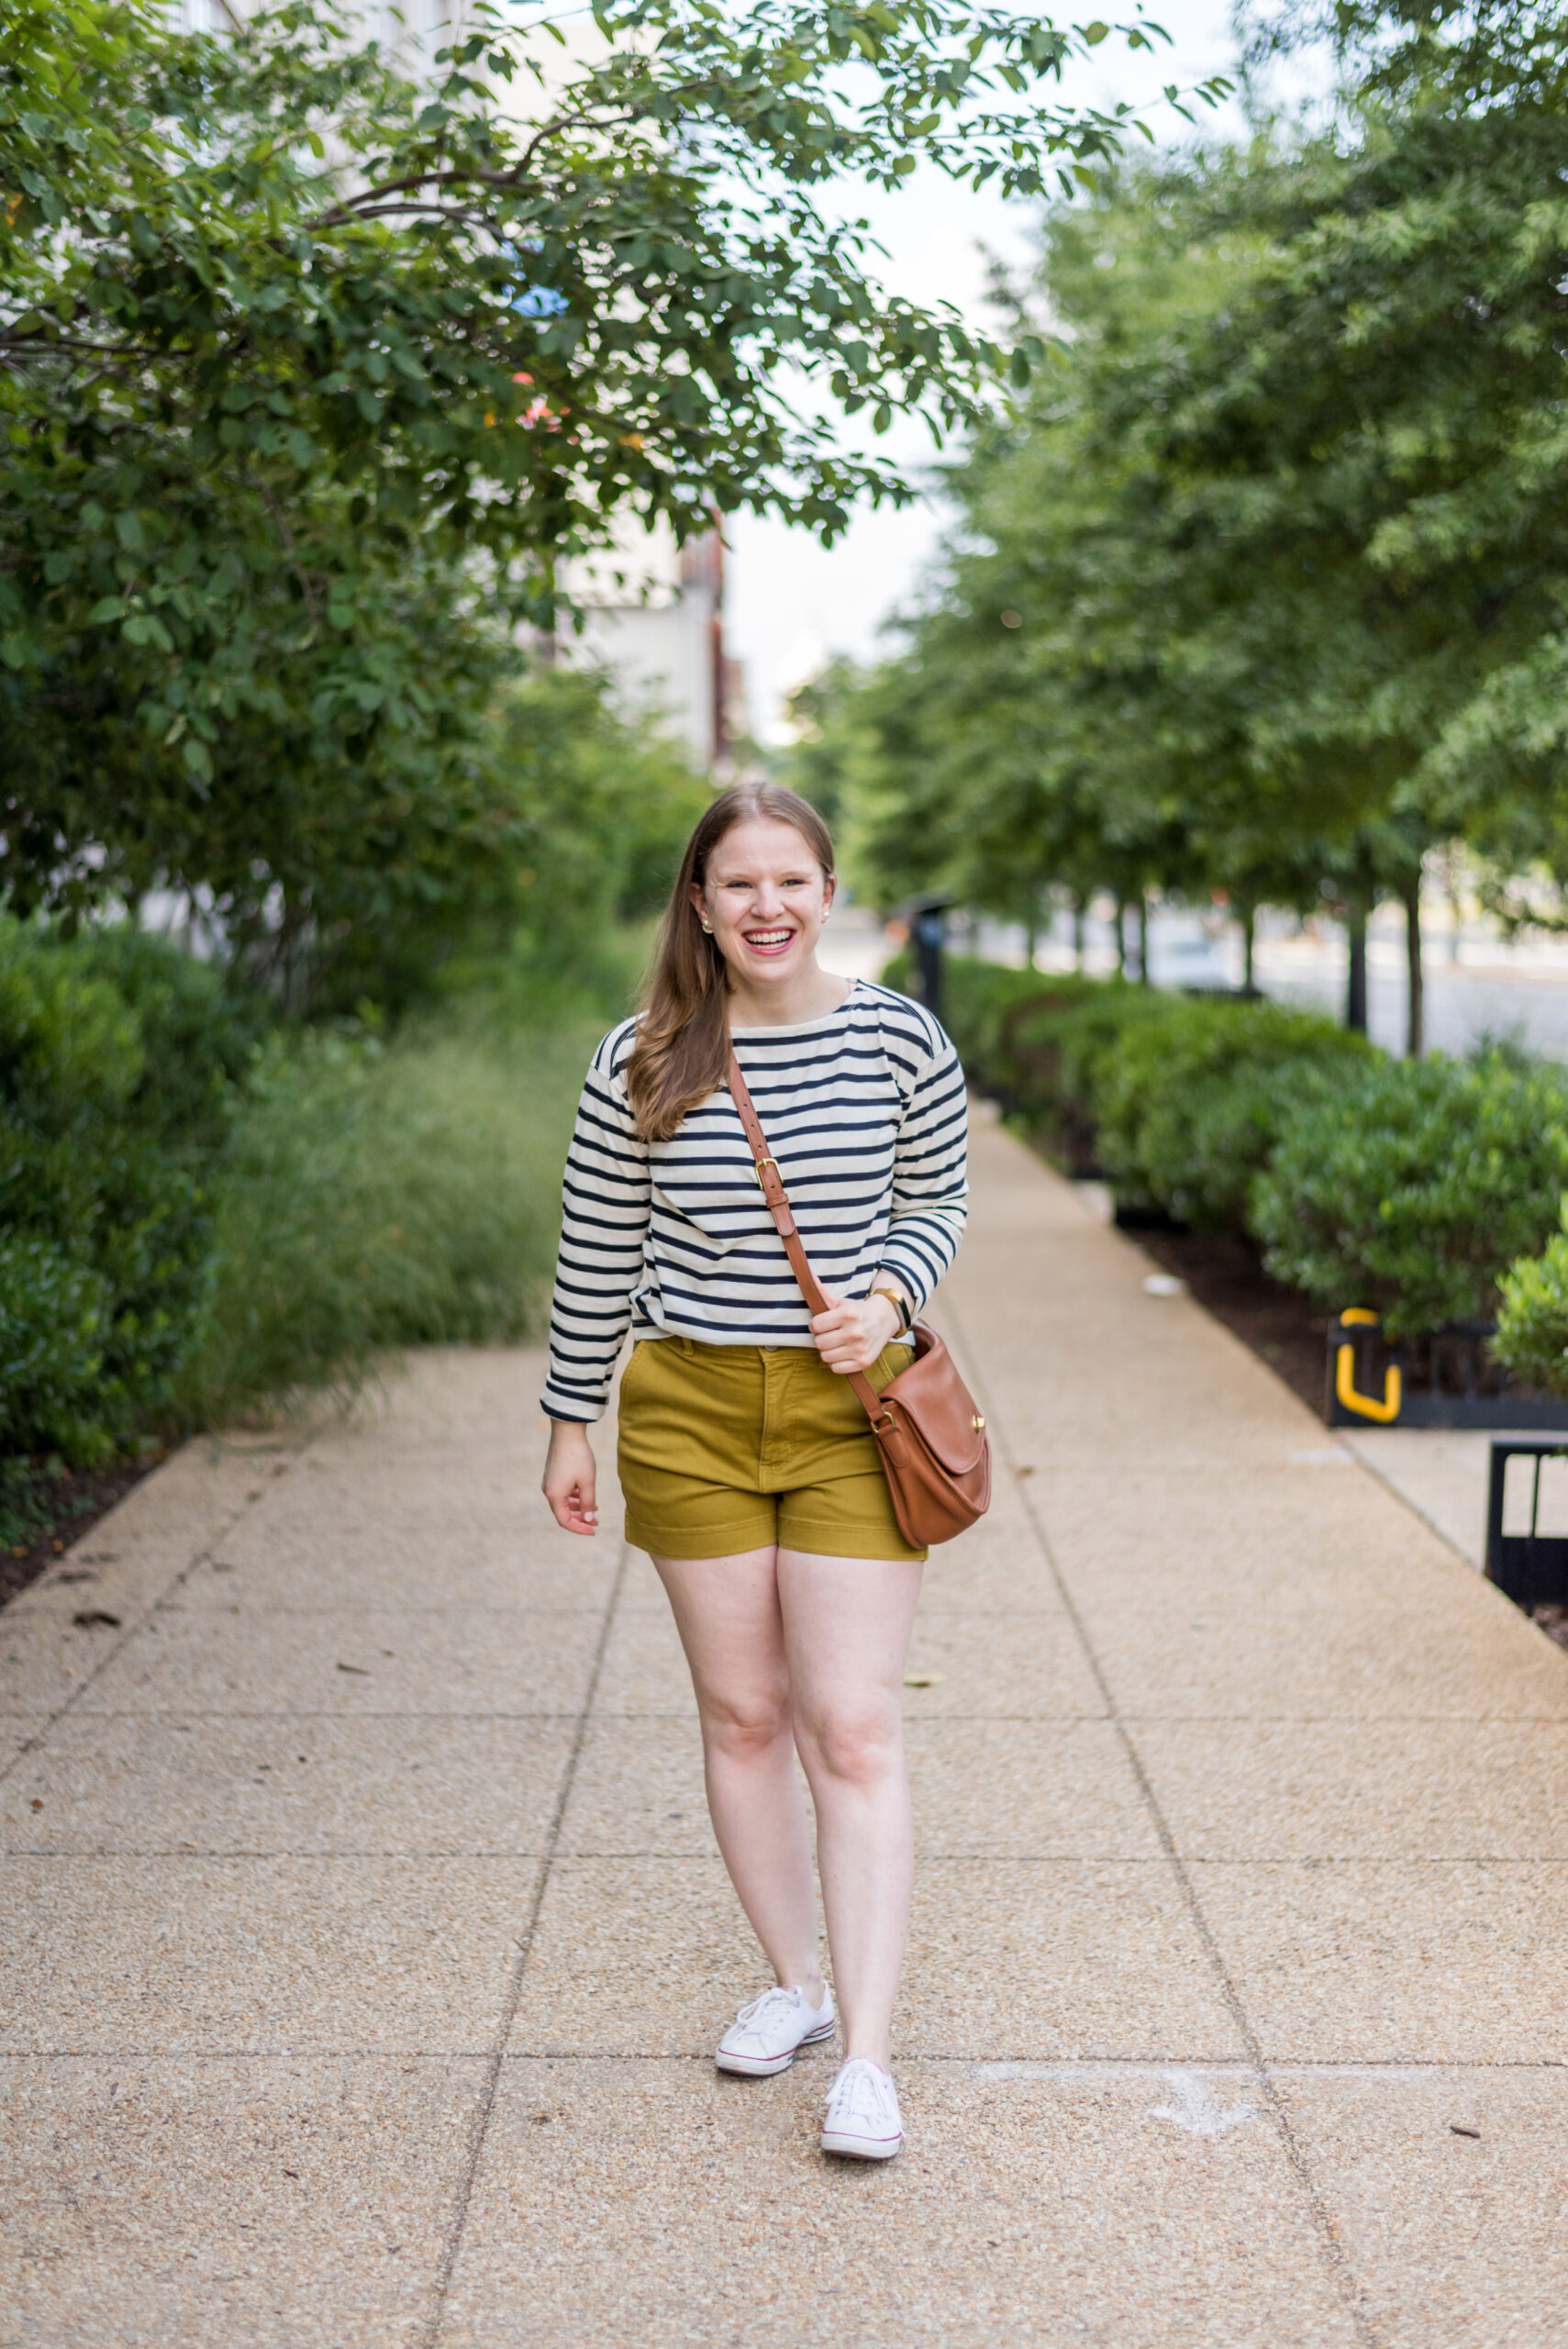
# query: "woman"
748, 1466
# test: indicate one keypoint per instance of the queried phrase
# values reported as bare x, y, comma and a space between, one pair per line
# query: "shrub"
1414, 1185
116, 1061
1532, 1319
1190, 1102
1036, 1041
986, 1002
198, 1028
579, 827
200, 1210
981, 1001
1059, 1052
54, 1313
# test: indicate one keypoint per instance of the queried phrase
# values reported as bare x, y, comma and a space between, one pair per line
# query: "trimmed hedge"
1408, 1186
1532, 1319
1040, 1044
1176, 1099
1415, 1186
1190, 1104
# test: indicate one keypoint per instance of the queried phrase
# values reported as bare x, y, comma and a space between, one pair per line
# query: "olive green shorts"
730, 1448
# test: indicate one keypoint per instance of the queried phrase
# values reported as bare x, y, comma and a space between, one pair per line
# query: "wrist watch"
901, 1303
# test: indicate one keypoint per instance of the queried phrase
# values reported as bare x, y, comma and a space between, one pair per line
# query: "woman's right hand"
568, 1477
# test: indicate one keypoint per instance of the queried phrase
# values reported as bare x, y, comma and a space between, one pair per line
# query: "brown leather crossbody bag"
931, 1436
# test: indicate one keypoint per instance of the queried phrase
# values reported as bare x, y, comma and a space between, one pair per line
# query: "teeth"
766, 937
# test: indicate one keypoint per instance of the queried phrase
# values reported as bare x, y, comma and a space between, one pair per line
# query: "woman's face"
767, 898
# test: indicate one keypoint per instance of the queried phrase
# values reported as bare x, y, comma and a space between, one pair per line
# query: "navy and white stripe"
865, 1113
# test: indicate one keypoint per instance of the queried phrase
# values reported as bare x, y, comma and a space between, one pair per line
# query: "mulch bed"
74, 1500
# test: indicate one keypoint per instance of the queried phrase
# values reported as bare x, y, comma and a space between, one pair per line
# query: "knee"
744, 1730
858, 1744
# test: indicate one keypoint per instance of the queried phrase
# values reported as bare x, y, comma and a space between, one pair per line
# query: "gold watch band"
898, 1300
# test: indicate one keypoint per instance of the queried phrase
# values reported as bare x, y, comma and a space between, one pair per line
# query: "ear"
700, 903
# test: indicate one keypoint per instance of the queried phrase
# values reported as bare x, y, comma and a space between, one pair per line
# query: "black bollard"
927, 929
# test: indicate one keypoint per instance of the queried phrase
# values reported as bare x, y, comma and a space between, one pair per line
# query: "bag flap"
936, 1406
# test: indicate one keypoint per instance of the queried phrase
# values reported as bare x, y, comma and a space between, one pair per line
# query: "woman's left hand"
853, 1331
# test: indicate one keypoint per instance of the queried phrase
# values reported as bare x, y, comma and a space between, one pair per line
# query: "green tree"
313, 369
575, 835
1038, 733
1281, 545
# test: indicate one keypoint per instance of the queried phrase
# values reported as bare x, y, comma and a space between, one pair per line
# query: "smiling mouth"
767, 941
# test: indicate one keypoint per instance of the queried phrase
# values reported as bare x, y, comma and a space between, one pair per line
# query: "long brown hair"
682, 1037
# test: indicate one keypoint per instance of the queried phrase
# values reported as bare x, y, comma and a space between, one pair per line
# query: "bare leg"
727, 1611
847, 1623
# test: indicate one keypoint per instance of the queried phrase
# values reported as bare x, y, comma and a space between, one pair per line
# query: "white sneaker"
862, 2116
763, 2036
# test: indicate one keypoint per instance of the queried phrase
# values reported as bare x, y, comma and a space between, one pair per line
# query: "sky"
792, 604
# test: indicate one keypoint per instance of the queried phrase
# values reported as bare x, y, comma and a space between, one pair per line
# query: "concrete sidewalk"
365, 1942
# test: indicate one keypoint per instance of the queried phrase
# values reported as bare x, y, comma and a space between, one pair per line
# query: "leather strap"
777, 1198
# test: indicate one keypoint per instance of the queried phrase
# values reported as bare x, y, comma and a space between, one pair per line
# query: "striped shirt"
864, 1112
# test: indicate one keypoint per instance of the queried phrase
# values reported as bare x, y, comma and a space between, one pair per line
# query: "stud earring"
706, 925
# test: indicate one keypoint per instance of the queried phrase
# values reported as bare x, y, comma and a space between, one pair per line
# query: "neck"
811, 994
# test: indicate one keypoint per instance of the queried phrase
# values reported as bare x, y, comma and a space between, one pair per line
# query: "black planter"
1441, 1380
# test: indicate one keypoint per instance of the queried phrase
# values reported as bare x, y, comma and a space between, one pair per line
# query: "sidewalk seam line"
513, 1999
1338, 2261
1157, 2063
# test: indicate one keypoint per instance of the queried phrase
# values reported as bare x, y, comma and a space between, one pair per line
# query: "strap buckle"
757, 1166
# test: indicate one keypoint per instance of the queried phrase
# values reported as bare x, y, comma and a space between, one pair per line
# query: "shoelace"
756, 2013
859, 2096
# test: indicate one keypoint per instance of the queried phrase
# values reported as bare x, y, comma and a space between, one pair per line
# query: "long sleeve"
930, 1168
604, 1211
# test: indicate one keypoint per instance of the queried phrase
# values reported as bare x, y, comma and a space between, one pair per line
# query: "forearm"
920, 1247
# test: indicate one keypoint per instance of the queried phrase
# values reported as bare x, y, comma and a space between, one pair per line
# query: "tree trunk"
1078, 935
1121, 938
1415, 1023
1248, 920
1355, 988
1031, 941
1143, 978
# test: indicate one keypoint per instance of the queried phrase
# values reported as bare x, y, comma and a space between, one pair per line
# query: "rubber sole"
863, 2149
765, 2068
